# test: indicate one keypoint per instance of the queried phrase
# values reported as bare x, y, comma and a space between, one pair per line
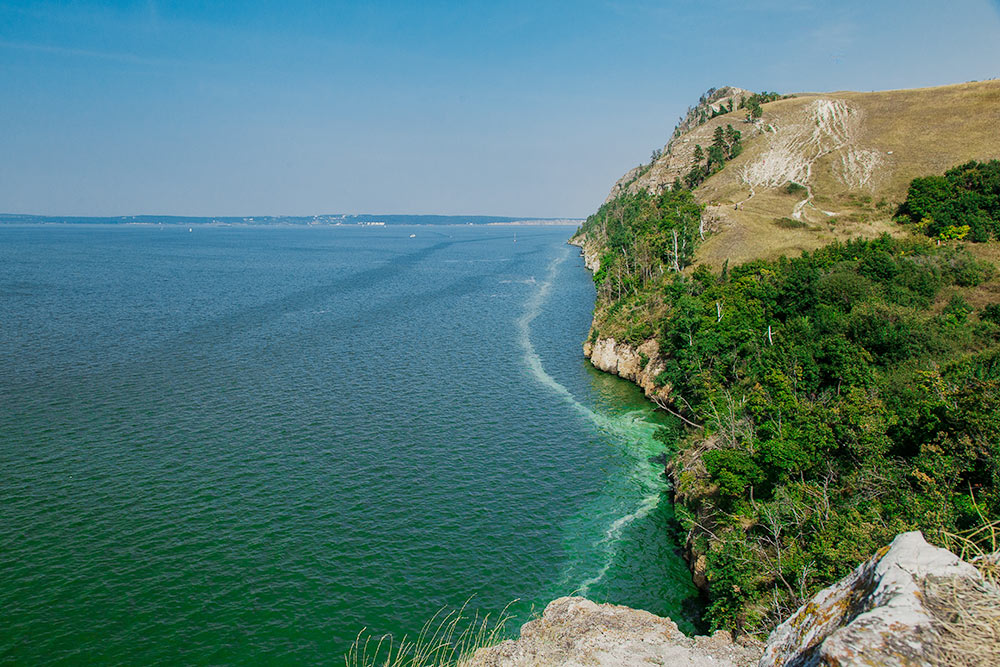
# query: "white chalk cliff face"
639, 364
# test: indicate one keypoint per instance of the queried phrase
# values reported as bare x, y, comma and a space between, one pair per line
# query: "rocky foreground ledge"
910, 604
575, 631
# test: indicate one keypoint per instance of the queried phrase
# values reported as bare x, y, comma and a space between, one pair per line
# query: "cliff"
637, 363
641, 364
589, 252
575, 631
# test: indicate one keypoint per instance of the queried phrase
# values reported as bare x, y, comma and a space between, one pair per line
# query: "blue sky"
506, 108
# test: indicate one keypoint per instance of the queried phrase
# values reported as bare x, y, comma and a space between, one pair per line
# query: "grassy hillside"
852, 162
839, 391
853, 151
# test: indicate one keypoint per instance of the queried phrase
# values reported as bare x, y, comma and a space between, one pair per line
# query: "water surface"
245, 444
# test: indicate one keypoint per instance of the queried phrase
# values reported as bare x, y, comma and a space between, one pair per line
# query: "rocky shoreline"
641, 365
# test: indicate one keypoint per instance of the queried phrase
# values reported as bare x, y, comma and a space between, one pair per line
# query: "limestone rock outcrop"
573, 632
591, 258
887, 612
639, 364
912, 604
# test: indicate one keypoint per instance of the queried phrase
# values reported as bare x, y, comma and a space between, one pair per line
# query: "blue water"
239, 445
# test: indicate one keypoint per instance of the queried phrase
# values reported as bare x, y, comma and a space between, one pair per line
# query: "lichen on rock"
876, 615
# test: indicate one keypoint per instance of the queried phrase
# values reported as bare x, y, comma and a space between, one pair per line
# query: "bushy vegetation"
754, 104
644, 236
794, 188
726, 144
723, 109
791, 223
844, 398
836, 399
964, 203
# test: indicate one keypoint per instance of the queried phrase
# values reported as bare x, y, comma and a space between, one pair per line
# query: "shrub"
843, 290
964, 202
790, 223
794, 188
733, 471
969, 272
957, 308
991, 313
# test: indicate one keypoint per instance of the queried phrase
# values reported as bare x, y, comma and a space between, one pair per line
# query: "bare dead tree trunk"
660, 402
677, 266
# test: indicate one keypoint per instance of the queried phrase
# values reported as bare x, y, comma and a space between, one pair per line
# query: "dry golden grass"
446, 640
906, 133
967, 613
967, 619
980, 545
931, 129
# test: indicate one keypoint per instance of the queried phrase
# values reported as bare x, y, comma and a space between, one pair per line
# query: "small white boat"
413, 236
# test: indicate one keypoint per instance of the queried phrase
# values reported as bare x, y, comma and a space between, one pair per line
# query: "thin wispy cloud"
69, 52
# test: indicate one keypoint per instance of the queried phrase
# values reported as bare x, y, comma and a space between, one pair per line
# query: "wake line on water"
531, 358
611, 536
617, 426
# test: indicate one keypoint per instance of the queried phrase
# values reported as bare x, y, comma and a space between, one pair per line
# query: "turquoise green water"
240, 445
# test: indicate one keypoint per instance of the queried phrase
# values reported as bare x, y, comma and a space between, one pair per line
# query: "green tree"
695, 176
732, 135
733, 141
716, 157
925, 196
965, 201
719, 138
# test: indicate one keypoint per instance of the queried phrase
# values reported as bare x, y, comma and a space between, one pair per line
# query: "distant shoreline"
338, 220
554, 223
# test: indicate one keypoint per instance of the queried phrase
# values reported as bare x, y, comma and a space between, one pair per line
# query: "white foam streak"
619, 426
612, 534
534, 362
